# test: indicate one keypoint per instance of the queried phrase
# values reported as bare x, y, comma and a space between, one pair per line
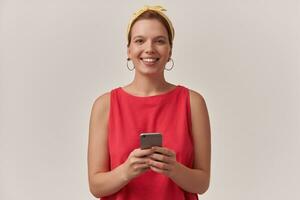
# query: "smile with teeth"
149, 60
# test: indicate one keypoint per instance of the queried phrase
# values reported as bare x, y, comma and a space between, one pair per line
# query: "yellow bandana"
158, 9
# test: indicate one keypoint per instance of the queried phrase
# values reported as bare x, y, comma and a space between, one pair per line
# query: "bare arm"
197, 180
103, 182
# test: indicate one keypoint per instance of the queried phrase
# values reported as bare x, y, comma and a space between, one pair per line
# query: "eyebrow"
140, 36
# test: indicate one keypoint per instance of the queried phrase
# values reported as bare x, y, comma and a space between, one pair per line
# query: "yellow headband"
158, 9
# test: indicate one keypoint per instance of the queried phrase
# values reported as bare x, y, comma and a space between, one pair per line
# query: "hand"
137, 163
163, 161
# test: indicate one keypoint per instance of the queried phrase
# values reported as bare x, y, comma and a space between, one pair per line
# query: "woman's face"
149, 48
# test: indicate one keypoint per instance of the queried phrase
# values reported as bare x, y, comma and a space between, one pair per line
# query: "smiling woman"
150, 29
118, 167
149, 49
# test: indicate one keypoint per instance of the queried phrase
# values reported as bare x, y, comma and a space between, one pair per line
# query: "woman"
118, 168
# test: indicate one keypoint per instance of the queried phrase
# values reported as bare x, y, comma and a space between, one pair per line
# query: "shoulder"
196, 99
198, 106
101, 104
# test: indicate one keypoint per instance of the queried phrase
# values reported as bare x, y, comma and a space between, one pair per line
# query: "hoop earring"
169, 69
130, 69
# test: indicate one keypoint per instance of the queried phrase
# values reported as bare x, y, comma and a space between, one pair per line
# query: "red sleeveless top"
168, 114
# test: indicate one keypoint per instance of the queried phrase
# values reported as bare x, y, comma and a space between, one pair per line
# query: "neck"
147, 85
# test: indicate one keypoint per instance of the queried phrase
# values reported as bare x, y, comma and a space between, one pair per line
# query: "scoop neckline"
151, 96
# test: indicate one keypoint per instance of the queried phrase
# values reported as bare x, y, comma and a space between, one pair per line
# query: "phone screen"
149, 140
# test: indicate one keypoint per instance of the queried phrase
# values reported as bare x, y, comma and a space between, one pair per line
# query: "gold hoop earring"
130, 69
169, 69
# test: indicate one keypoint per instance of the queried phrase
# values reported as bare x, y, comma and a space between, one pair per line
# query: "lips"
149, 60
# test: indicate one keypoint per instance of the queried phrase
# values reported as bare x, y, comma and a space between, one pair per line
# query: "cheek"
166, 54
166, 50
134, 51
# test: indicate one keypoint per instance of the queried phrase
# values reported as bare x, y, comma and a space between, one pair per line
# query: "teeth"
150, 59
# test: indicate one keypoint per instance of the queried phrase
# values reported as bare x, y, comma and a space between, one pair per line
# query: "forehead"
148, 27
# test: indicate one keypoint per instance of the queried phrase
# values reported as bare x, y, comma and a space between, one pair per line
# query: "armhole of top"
111, 94
189, 113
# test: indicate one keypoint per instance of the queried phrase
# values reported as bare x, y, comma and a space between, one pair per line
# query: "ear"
170, 54
128, 52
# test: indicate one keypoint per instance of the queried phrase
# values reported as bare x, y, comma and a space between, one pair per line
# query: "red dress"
168, 114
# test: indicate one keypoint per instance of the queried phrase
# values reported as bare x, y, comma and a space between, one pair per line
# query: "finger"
161, 158
141, 166
164, 151
141, 160
157, 170
159, 165
143, 152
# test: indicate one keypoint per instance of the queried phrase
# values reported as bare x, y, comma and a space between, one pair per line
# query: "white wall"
58, 56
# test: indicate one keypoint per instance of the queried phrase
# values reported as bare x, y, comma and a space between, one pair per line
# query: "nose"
149, 47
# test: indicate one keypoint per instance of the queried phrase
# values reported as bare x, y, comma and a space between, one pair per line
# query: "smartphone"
148, 140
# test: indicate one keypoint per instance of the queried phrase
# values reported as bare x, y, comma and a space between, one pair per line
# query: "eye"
161, 41
138, 41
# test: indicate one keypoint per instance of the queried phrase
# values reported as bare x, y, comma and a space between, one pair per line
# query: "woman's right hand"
137, 163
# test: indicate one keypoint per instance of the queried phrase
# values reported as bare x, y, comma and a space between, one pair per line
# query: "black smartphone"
148, 140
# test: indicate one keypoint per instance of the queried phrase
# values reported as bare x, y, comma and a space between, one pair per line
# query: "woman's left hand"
163, 161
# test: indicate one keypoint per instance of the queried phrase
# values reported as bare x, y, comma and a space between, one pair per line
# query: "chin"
155, 71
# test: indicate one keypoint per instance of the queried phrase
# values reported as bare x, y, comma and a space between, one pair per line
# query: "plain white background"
58, 56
